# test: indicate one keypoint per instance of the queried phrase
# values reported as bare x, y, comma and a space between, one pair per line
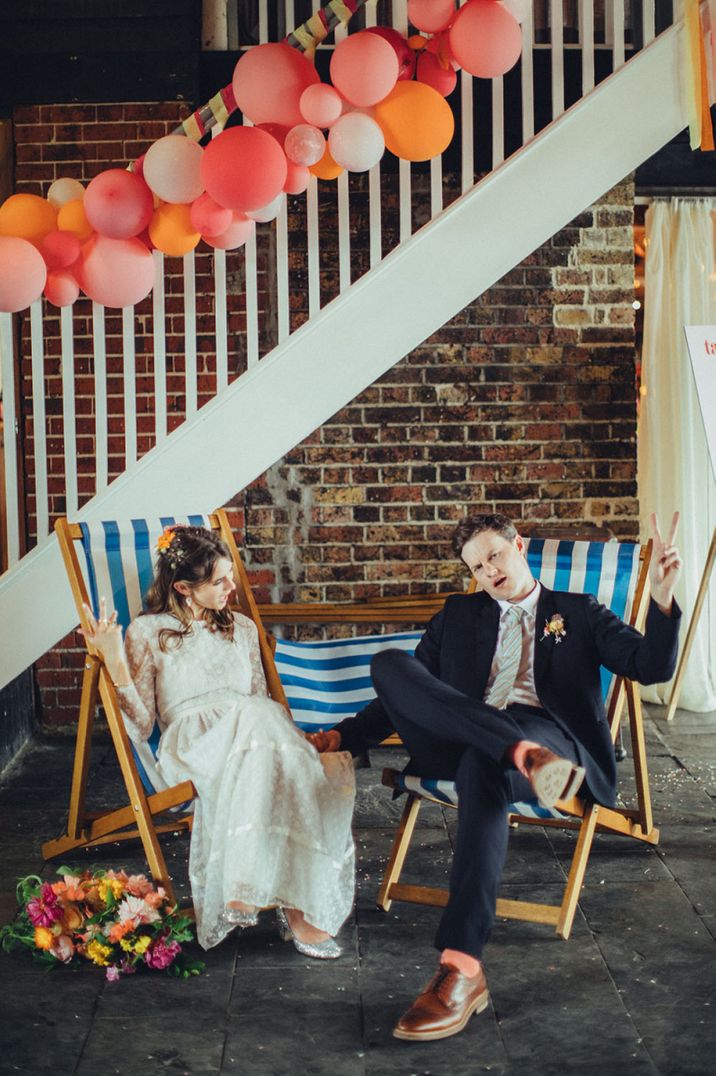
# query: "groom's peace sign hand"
665, 566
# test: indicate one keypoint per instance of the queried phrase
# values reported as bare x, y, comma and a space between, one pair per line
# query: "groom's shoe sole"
559, 779
478, 1006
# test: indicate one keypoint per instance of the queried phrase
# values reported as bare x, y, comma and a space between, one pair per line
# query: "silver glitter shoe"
325, 950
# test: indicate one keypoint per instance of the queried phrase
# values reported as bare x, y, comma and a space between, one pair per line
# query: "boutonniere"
555, 628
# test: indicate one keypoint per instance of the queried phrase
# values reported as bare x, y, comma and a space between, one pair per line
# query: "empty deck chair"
616, 573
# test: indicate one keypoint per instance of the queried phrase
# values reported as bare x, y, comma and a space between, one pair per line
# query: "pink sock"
466, 964
517, 753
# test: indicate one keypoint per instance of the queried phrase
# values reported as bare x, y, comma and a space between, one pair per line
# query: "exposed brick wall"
524, 402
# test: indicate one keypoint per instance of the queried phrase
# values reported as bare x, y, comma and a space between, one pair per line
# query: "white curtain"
674, 471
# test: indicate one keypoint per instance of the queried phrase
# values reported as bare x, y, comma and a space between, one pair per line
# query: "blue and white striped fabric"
118, 565
327, 681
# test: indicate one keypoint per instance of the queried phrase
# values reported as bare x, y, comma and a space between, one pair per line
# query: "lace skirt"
272, 824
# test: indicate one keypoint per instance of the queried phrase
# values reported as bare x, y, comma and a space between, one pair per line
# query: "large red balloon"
115, 272
22, 273
364, 68
485, 39
268, 82
244, 168
118, 204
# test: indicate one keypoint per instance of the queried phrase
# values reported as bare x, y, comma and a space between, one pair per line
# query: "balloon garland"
386, 91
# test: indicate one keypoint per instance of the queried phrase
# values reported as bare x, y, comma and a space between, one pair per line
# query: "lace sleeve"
137, 700
258, 680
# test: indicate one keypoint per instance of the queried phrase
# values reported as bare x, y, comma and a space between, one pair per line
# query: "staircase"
371, 325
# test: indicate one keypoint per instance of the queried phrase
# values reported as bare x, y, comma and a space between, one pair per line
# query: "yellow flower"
44, 938
98, 953
110, 885
140, 946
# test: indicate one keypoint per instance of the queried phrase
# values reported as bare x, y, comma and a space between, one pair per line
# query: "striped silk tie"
508, 659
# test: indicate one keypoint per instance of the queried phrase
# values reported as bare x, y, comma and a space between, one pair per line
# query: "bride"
272, 823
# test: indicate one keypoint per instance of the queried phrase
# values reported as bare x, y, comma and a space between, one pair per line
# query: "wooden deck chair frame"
586, 818
138, 819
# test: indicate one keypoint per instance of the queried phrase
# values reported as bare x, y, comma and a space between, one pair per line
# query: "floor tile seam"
99, 995
227, 1007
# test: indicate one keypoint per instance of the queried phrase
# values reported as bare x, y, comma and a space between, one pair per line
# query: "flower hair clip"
169, 548
554, 628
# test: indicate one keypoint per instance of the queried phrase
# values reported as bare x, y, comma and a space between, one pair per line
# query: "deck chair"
115, 560
616, 573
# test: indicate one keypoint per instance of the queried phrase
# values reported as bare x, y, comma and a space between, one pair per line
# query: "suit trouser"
449, 735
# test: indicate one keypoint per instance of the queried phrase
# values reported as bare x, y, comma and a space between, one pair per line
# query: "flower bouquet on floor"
116, 920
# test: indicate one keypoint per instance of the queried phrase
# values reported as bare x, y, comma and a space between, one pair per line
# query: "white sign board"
701, 342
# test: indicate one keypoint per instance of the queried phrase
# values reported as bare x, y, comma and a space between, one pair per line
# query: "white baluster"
100, 397
160, 350
69, 420
11, 506
130, 387
190, 333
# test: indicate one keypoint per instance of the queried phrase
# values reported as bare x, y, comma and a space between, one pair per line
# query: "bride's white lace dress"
273, 819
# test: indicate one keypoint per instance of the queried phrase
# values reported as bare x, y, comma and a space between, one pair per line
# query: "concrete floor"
633, 990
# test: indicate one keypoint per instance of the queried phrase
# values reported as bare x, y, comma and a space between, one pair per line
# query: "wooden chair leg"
636, 726
88, 703
577, 871
399, 851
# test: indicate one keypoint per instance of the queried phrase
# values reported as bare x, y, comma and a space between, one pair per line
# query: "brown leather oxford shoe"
552, 778
445, 1005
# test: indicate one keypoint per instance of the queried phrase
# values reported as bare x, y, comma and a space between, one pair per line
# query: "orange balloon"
27, 216
171, 230
326, 168
72, 218
416, 121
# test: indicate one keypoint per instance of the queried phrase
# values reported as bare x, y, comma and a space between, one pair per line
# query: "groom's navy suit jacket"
459, 644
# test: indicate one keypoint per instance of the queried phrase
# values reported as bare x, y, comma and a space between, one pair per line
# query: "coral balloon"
72, 218
364, 68
171, 230
304, 145
27, 216
172, 169
278, 131
60, 249
431, 16
326, 167
406, 55
519, 9
22, 273
297, 178
115, 272
61, 288
485, 39
416, 121
64, 190
268, 82
208, 217
356, 142
432, 73
268, 212
240, 229
244, 168
320, 105
118, 204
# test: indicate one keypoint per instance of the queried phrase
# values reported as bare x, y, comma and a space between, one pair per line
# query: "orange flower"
118, 930
44, 938
166, 538
72, 918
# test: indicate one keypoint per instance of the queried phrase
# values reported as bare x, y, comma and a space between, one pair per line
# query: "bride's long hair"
189, 555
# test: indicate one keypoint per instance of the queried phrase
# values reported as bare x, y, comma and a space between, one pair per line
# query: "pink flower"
138, 911
161, 954
63, 949
46, 909
137, 885
112, 973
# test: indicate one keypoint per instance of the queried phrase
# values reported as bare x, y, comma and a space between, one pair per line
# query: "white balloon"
65, 190
268, 212
172, 169
519, 9
356, 142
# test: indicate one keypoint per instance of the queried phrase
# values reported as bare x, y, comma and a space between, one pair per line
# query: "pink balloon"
364, 68
356, 142
22, 273
297, 178
432, 73
115, 272
172, 169
118, 204
268, 82
406, 55
485, 39
320, 105
244, 168
61, 288
208, 217
235, 235
304, 145
60, 249
431, 16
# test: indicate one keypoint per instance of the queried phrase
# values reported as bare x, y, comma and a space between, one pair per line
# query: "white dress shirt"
524, 688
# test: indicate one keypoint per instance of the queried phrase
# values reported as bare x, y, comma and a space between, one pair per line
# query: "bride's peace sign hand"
105, 633
665, 566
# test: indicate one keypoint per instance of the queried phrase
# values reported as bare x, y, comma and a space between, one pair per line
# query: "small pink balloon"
364, 68
304, 145
406, 55
22, 273
431, 16
172, 169
243, 168
118, 204
432, 73
115, 272
485, 39
268, 82
208, 217
60, 249
61, 288
356, 142
297, 178
138, 166
320, 105
235, 235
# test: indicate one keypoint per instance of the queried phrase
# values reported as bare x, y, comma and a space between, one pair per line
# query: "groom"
504, 696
